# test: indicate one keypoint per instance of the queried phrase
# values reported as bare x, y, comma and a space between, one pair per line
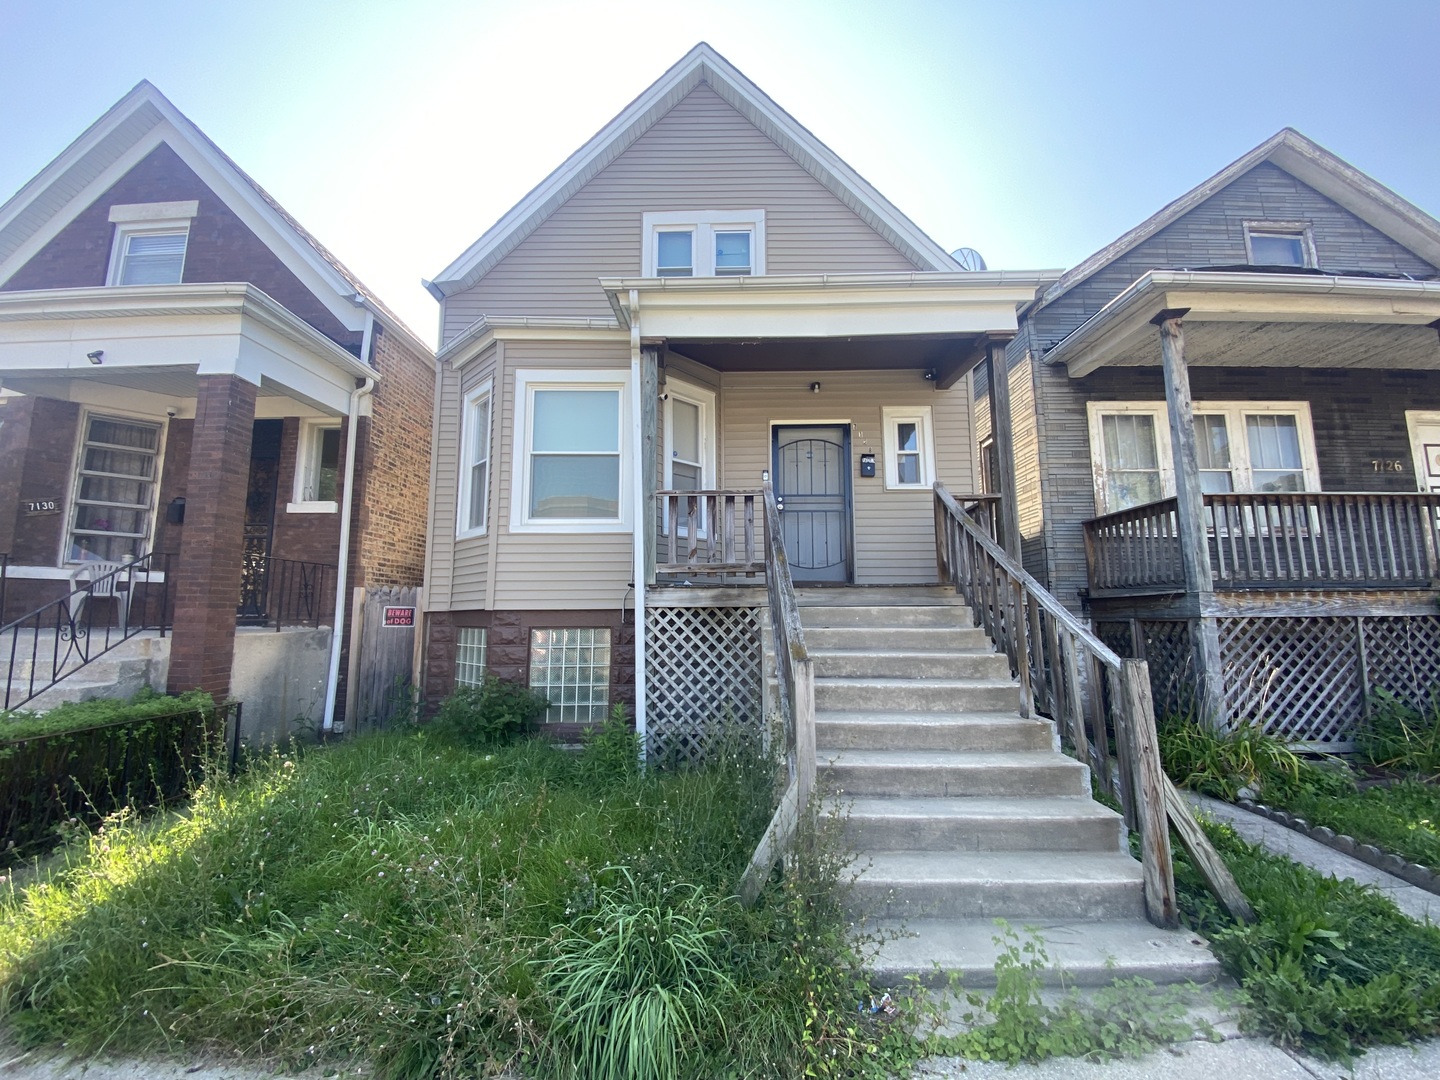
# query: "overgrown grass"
438, 911
1399, 738
1329, 966
1400, 818
75, 715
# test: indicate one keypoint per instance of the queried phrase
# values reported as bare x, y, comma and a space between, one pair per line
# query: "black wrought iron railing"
106, 606
284, 592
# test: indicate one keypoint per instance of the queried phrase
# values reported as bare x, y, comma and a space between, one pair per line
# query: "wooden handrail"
1096, 699
1284, 540
709, 532
795, 685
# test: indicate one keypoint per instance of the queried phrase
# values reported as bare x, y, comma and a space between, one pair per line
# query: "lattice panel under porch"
1402, 655
1165, 646
1116, 634
1296, 677
702, 670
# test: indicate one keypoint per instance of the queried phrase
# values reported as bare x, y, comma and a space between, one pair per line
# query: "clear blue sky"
1035, 132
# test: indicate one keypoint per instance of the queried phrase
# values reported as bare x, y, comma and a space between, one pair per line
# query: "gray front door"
812, 484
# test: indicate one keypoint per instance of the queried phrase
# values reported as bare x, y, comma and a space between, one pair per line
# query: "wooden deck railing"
710, 532
795, 684
1313, 539
1100, 703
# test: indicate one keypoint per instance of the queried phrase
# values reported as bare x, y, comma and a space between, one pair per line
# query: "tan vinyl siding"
702, 155
456, 574
554, 571
894, 530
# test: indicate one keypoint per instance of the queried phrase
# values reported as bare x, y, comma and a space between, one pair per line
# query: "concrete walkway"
1419, 904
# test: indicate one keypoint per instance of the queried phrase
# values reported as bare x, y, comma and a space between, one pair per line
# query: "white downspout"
347, 502
637, 437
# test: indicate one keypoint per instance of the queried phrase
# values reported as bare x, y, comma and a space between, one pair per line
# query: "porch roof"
824, 306
1259, 319
155, 341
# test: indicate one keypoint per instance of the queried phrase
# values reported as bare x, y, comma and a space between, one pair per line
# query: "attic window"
1279, 243
703, 243
150, 242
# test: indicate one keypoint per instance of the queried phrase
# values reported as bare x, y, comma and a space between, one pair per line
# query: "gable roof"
1308, 162
702, 64
132, 127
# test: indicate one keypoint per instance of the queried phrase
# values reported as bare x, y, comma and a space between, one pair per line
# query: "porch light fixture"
931, 375
95, 357
814, 388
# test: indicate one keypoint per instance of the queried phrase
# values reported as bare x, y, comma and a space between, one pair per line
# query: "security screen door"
812, 484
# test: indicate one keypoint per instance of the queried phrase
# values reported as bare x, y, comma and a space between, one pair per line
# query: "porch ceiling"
939, 352
1240, 319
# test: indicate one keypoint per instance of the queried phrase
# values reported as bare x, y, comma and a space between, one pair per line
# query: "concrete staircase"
143, 660
960, 810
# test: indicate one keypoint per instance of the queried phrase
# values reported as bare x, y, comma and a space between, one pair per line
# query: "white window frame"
308, 448
1415, 421
529, 380
891, 418
481, 397
704, 400
704, 224
77, 471
471, 656
144, 219
1298, 229
1234, 412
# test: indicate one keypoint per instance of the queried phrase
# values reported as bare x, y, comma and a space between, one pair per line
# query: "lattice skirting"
703, 671
1308, 678
1165, 646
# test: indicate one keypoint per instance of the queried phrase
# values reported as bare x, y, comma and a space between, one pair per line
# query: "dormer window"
704, 243
1279, 243
150, 242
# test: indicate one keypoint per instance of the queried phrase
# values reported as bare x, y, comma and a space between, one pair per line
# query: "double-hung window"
150, 242
570, 473
909, 448
317, 468
689, 444
475, 463
114, 489
1248, 446
703, 243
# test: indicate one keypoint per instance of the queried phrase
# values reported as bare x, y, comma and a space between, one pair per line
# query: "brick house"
198, 393
1225, 436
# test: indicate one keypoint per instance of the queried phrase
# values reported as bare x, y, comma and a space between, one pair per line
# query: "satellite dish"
968, 258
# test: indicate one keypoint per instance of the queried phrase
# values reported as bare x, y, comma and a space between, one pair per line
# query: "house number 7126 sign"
1387, 465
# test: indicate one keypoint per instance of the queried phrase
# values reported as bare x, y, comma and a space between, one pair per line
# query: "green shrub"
1221, 763
1395, 736
610, 753
1329, 965
492, 714
74, 715
638, 988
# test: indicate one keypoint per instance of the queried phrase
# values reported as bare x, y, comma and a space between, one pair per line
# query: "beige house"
701, 296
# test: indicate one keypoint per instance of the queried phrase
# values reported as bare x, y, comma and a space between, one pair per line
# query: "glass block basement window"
470, 656
572, 669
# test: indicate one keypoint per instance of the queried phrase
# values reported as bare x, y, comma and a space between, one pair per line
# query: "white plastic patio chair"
102, 580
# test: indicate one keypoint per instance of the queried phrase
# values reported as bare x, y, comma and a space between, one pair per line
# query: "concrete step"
915, 695
983, 824
887, 616
997, 884
993, 732
1081, 953
947, 774
909, 664
873, 595
903, 638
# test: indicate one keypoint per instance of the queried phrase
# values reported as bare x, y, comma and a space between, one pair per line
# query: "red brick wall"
220, 248
47, 460
14, 439
208, 579
304, 537
174, 483
394, 485
507, 652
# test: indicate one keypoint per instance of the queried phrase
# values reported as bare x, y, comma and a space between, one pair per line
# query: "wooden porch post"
649, 404
1194, 542
1001, 422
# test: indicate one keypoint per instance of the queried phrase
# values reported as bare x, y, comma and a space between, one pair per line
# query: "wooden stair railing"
795, 684
1096, 699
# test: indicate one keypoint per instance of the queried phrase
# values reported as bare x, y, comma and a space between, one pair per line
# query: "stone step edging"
1422, 877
